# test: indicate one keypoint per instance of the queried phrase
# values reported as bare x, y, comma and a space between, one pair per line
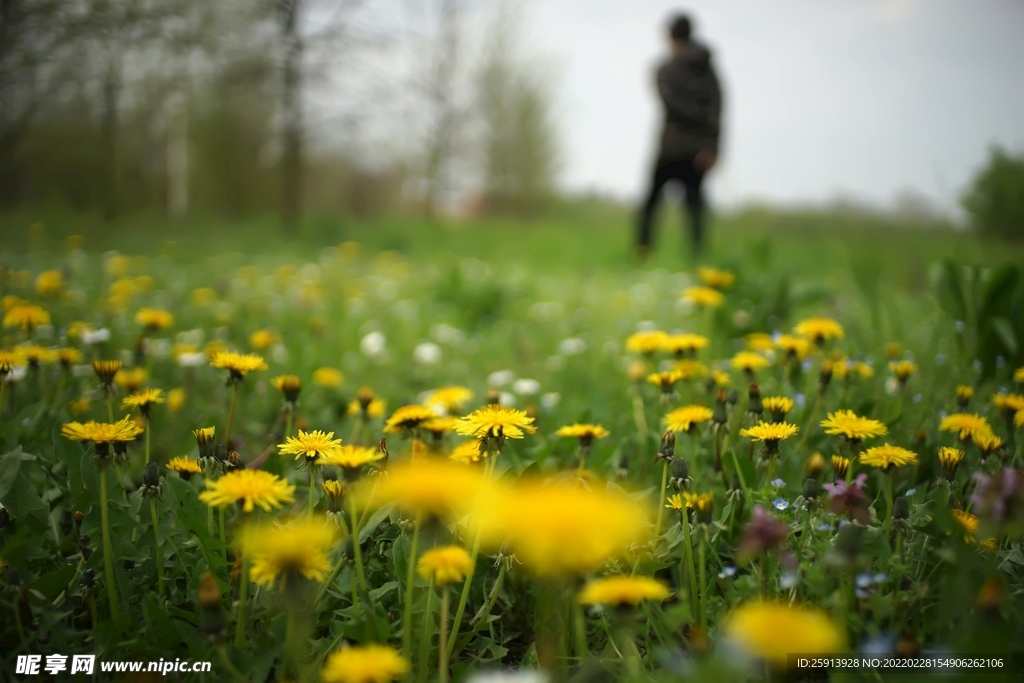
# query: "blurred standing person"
689, 90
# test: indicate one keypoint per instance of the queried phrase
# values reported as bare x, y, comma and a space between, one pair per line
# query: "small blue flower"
1000, 361
778, 483
940, 359
880, 577
799, 400
864, 580
862, 594
959, 325
727, 572
780, 503
877, 646
976, 364
917, 398
787, 580
824, 527
910, 492
942, 414
807, 365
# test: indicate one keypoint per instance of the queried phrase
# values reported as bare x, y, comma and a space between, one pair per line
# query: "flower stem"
288, 421
231, 415
442, 643
110, 406
223, 533
356, 550
580, 627
148, 425
703, 584
156, 544
56, 397
108, 552
661, 497
410, 577
243, 600
425, 636
888, 505
688, 556
312, 491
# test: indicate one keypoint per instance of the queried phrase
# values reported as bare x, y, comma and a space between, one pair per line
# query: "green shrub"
995, 200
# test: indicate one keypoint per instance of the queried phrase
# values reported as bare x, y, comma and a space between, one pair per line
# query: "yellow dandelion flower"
770, 432
352, 457
202, 297
970, 522
49, 282
759, 341
1008, 403
441, 425
1018, 375
313, 446
38, 355
10, 359
289, 385
665, 380
329, 378
646, 342
154, 318
467, 452
143, 399
586, 433
686, 418
748, 361
496, 422
238, 365
300, 548
863, 369
364, 664
432, 487
1018, 419
69, 356
106, 370
794, 346
688, 369
102, 433
987, 444
964, 393
175, 399
713, 277
333, 489
131, 379
622, 590
815, 464
681, 502
819, 330
261, 340
684, 343
79, 406
445, 564
967, 425
183, 464
560, 529
251, 488
886, 456
376, 408
778, 406
721, 378
705, 297
771, 631
408, 418
450, 399
855, 428
26, 317
902, 369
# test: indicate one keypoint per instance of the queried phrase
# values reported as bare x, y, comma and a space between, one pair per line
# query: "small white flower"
96, 336
374, 344
684, 306
741, 318
446, 334
279, 354
892, 386
550, 400
507, 399
427, 353
17, 373
524, 676
159, 348
526, 387
500, 378
572, 346
191, 360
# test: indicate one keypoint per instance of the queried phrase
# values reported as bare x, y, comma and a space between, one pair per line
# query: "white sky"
862, 98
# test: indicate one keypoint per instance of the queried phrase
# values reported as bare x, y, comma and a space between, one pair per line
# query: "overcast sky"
862, 98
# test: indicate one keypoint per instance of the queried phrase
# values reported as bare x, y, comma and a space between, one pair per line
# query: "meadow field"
407, 449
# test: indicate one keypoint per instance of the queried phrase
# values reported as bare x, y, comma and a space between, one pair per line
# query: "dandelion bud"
949, 460
754, 406
840, 465
719, 416
680, 474
921, 436
901, 508
815, 465
105, 370
637, 371
234, 460
493, 396
151, 475
365, 397
79, 516
289, 385
705, 507
824, 375
668, 445
211, 617
811, 488
732, 397
963, 395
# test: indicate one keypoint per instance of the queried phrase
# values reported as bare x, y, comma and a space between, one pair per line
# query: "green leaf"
51, 585
949, 289
1004, 330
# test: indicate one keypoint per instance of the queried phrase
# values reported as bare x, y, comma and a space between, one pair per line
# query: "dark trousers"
684, 171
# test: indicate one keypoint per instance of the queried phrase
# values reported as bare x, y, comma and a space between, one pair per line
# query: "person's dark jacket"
693, 103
